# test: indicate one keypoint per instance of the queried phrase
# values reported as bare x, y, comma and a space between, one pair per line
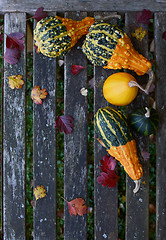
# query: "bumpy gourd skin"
108, 46
54, 36
113, 131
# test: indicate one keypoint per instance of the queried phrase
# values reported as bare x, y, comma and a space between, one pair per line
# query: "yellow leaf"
39, 192
38, 94
123, 198
139, 33
16, 81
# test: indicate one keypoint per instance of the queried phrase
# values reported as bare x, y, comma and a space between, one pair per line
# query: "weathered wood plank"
75, 144
160, 52
106, 199
14, 140
30, 6
137, 205
44, 148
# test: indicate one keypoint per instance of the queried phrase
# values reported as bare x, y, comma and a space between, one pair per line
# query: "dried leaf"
108, 163
38, 94
139, 33
14, 40
64, 123
75, 69
164, 35
108, 179
60, 62
39, 192
84, 92
77, 206
12, 55
16, 81
40, 14
144, 16
92, 83
145, 155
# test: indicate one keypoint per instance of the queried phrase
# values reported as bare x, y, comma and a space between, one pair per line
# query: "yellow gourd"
120, 89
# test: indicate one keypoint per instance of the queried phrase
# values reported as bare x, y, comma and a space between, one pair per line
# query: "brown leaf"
77, 206
38, 94
16, 81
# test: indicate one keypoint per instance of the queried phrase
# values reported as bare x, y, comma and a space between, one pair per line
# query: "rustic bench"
75, 145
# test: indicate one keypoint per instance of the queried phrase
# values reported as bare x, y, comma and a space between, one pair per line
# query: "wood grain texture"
160, 51
105, 199
75, 144
30, 6
14, 140
137, 205
44, 148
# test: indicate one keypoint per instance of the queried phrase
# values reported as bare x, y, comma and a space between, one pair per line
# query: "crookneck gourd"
108, 46
113, 132
54, 36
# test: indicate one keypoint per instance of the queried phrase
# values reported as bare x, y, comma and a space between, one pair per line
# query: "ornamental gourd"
114, 133
108, 46
120, 89
145, 120
55, 36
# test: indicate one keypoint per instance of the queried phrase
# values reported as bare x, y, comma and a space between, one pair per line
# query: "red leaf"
144, 16
75, 69
64, 123
108, 179
40, 14
14, 40
108, 163
1, 37
77, 206
12, 55
164, 35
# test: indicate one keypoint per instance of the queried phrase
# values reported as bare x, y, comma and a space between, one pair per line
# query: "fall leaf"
139, 33
108, 163
39, 192
60, 62
40, 14
164, 35
108, 179
1, 37
16, 81
38, 94
144, 16
77, 206
84, 92
91, 83
64, 123
14, 40
75, 69
12, 55
145, 155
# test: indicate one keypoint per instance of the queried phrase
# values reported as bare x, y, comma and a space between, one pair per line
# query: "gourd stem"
98, 17
137, 185
151, 79
135, 84
147, 114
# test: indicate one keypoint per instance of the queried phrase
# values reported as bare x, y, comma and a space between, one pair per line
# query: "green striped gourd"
114, 133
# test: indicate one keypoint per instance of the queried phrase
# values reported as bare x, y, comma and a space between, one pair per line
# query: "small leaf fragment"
40, 14
164, 35
75, 69
139, 33
64, 123
84, 92
38, 94
16, 81
77, 206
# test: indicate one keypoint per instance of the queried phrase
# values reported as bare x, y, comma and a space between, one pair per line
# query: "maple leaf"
144, 16
108, 163
40, 14
64, 123
77, 206
164, 35
39, 192
12, 55
14, 40
16, 81
75, 69
38, 94
139, 33
108, 179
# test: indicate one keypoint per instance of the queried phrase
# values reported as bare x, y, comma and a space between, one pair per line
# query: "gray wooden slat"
160, 52
137, 205
106, 200
14, 140
75, 144
44, 148
77, 5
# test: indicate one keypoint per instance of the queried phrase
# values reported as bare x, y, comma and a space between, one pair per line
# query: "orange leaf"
16, 81
77, 206
37, 94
